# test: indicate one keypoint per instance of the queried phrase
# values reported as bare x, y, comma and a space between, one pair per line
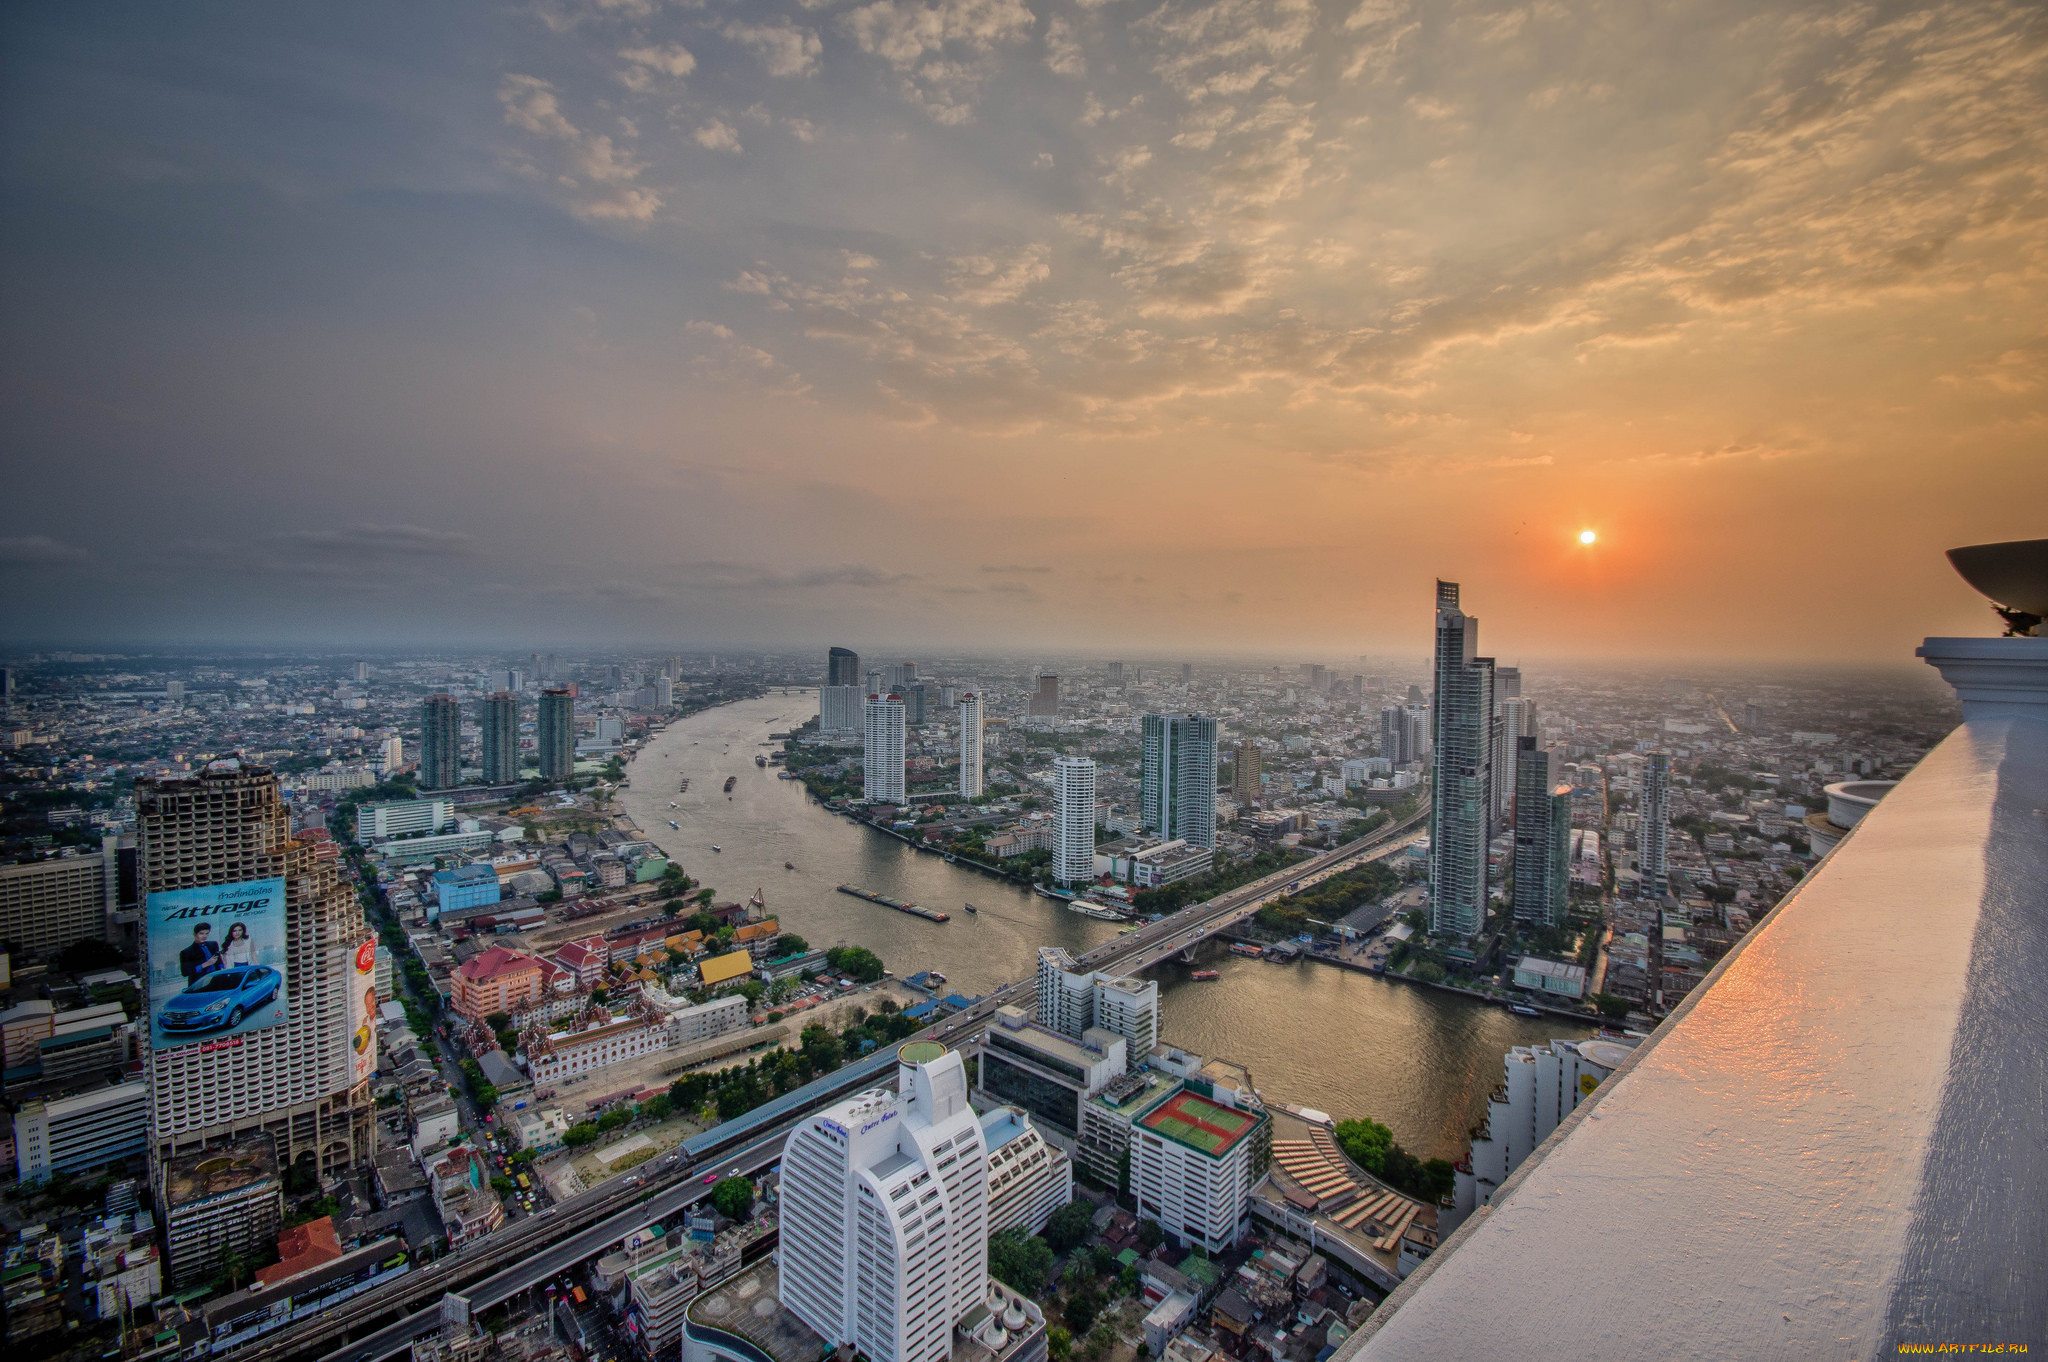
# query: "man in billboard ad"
216, 961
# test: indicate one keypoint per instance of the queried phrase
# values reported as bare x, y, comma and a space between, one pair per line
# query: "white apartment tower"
1072, 1001
884, 1236
1653, 828
291, 1081
881, 749
970, 746
1073, 856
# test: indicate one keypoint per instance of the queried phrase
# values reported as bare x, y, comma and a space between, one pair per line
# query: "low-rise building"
1550, 976
1044, 1072
600, 1038
81, 1132
465, 886
218, 1201
498, 980
1106, 1117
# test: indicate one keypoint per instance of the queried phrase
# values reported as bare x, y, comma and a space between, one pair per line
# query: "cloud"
1012, 569
598, 172
646, 64
717, 135
37, 550
985, 280
756, 576
944, 51
784, 48
376, 541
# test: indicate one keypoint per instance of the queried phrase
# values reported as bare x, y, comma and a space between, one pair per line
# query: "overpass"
529, 1253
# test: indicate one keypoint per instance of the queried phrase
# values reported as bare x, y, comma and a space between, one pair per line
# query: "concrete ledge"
1994, 677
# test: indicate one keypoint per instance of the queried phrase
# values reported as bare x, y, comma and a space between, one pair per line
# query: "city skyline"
610, 322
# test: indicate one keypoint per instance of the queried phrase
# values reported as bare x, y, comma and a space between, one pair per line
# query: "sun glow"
1587, 536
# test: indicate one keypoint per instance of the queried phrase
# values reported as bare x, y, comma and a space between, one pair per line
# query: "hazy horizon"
1111, 326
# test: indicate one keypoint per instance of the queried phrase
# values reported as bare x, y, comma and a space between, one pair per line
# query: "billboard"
362, 1013
216, 962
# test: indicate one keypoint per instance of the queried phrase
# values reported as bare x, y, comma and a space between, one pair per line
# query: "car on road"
710, 1178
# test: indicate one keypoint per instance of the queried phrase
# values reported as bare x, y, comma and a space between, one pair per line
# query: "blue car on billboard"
221, 999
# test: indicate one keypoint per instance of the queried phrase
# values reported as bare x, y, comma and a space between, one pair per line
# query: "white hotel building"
970, 746
1073, 856
885, 1205
881, 750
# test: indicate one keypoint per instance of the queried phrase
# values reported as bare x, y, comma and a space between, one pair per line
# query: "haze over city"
1114, 326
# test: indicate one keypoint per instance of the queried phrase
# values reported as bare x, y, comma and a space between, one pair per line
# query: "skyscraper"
881, 750
1395, 745
498, 716
1116, 673
842, 668
1653, 827
897, 675
1045, 700
1178, 778
362, 672
1071, 1000
440, 743
970, 746
1073, 856
839, 709
1463, 792
1187, 673
664, 692
557, 737
298, 1080
1543, 838
1246, 777
884, 1233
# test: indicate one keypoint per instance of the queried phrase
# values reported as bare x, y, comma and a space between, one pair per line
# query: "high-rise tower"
557, 736
884, 1232
881, 750
1073, 856
302, 1080
1178, 779
842, 667
440, 743
970, 746
1461, 747
1246, 779
498, 716
1653, 827
1045, 700
1543, 838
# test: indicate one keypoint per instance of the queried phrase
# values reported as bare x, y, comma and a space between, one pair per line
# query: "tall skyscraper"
1395, 743
1543, 837
298, 1080
1463, 792
839, 709
1507, 683
884, 1234
1045, 700
881, 750
362, 672
1178, 777
1116, 673
898, 675
842, 668
1246, 776
498, 716
1073, 855
1653, 827
664, 692
970, 746
440, 743
557, 736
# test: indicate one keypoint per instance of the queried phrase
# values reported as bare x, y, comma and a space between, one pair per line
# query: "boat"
685, 789
1204, 974
789, 865
716, 847
1100, 912
915, 910
1060, 894
731, 781
760, 760
1524, 1010
757, 901
1239, 948
672, 823
970, 908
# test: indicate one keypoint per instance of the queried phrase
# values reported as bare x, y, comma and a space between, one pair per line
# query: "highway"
528, 1253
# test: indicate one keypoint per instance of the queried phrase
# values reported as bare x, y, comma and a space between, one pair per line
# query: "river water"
1350, 1044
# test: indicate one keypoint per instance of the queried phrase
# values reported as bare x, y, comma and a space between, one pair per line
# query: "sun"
1587, 536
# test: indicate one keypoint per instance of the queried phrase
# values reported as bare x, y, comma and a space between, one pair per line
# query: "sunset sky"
1129, 325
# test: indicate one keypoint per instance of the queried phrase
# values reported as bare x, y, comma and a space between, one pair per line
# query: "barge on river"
928, 914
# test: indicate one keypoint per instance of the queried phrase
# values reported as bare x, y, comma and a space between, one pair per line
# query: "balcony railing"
1837, 1147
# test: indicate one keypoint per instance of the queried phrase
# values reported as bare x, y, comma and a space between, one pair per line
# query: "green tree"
1150, 1234
1018, 1259
704, 897
1082, 1308
614, 1118
1069, 1228
657, 1107
578, 1135
1366, 1143
1059, 1344
733, 1198
501, 1185
856, 962
792, 944
1612, 1006
498, 1021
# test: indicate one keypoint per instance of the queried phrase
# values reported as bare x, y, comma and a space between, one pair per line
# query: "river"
1350, 1044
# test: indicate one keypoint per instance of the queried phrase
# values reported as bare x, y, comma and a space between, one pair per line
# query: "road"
535, 1249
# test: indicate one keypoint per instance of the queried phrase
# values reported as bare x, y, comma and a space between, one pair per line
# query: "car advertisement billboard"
216, 962
362, 1013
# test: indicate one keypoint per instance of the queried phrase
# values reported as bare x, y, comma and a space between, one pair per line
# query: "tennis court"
1197, 1123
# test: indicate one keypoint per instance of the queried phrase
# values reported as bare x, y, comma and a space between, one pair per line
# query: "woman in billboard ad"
216, 961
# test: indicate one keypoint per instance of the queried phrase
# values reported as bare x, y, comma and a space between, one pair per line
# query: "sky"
1080, 324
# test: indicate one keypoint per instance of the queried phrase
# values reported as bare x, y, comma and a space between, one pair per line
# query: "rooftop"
1198, 1123
193, 1178
750, 1306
